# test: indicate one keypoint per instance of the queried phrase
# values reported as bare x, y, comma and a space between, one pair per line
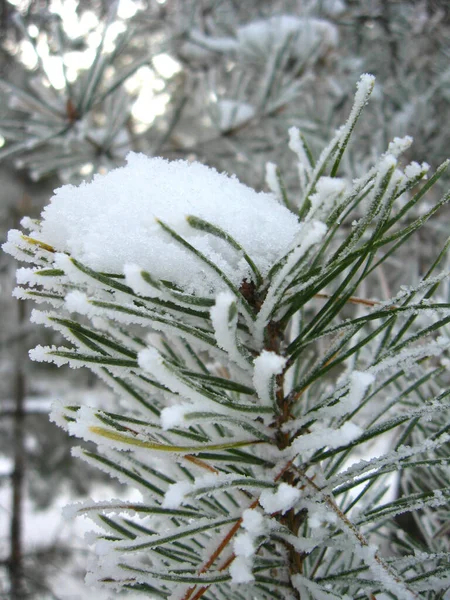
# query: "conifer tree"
253, 377
222, 82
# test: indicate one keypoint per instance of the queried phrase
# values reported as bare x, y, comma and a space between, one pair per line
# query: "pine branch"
254, 374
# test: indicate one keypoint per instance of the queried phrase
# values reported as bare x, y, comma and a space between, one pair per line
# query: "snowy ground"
46, 528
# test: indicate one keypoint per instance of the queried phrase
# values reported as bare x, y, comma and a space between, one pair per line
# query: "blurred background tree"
82, 83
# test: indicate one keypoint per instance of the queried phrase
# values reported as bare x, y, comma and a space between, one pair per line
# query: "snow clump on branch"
115, 220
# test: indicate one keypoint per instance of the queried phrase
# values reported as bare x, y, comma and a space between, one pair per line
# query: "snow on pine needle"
265, 406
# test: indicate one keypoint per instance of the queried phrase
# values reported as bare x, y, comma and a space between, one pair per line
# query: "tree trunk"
17, 478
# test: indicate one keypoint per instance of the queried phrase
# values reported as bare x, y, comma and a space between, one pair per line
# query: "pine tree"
254, 378
228, 103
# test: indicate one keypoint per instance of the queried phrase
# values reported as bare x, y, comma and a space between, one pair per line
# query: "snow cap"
113, 221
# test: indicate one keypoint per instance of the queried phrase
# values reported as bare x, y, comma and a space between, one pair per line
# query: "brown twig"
356, 300
218, 551
200, 463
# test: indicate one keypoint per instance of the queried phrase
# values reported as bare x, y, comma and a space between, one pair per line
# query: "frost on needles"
265, 406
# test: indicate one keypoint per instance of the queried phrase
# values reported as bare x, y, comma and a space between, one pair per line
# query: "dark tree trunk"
15, 562
18, 474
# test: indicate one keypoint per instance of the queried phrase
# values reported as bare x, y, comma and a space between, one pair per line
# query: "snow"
388, 162
175, 495
334, 8
359, 383
282, 500
309, 36
297, 146
44, 529
241, 570
364, 88
408, 358
316, 520
26, 276
253, 521
311, 589
224, 318
399, 145
28, 223
111, 222
384, 576
272, 180
133, 278
267, 366
41, 354
64, 262
326, 437
13, 243
382, 456
173, 416
78, 302
328, 190
244, 546
151, 361
233, 113
40, 317
414, 170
